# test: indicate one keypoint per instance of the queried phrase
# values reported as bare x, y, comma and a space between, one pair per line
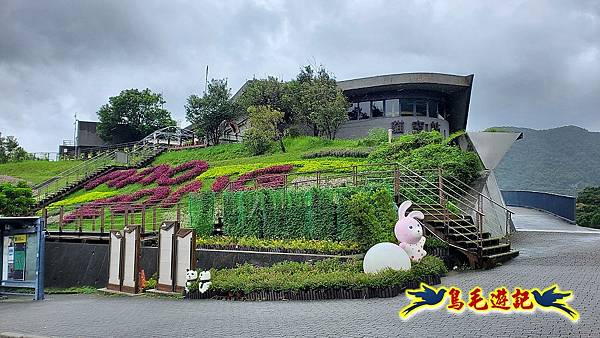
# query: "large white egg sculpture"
385, 255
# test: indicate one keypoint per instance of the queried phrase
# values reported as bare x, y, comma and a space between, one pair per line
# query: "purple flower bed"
157, 172
176, 196
126, 202
190, 170
115, 175
220, 183
116, 182
240, 183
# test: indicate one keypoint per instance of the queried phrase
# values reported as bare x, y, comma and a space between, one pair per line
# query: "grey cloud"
536, 64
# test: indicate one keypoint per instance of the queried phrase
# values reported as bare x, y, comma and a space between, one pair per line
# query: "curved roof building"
407, 102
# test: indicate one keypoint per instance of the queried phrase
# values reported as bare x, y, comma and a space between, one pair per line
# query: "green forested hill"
562, 160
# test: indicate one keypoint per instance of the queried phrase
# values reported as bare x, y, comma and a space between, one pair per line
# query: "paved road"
570, 259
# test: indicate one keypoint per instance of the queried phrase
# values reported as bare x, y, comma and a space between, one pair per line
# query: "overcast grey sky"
536, 63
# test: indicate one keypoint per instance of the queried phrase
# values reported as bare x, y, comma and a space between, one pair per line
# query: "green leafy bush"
363, 215
329, 273
15, 200
338, 153
291, 245
202, 212
375, 137
403, 145
588, 207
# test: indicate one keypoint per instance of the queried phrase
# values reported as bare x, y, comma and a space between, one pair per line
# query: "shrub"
15, 200
375, 137
338, 153
324, 274
588, 207
291, 245
403, 145
202, 213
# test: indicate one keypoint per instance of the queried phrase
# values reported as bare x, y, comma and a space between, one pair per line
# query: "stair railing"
137, 153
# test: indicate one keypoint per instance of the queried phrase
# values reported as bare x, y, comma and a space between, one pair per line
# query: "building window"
377, 108
364, 109
407, 108
353, 111
392, 108
432, 109
421, 108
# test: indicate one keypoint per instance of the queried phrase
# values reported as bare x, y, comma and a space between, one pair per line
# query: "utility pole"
75, 136
206, 80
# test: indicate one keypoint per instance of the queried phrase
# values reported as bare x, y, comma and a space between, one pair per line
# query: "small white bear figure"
190, 276
204, 281
415, 251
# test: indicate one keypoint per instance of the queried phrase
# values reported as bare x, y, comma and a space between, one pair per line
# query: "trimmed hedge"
325, 274
364, 215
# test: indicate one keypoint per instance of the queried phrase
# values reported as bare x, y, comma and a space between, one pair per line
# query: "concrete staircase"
73, 179
460, 232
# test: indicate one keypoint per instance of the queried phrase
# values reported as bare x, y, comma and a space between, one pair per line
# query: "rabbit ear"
415, 214
403, 207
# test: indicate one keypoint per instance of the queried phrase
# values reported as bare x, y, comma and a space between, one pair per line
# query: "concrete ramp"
526, 219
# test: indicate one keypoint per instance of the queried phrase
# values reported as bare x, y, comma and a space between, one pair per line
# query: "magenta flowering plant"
189, 169
157, 172
220, 183
125, 174
114, 175
176, 196
265, 173
128, 202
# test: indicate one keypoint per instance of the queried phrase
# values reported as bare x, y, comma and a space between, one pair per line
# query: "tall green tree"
319, 101
264, 122
132, 115
11, 151
207, 113
274, 93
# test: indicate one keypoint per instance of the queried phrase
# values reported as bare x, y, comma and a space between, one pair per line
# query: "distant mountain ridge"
561, 160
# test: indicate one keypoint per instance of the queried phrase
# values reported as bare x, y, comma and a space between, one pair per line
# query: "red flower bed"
176, 196
240, 183
190, 170
220, 183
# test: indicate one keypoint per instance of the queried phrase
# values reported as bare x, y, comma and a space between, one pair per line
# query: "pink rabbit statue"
408, 230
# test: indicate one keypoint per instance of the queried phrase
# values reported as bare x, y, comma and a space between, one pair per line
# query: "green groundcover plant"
290, 245
324, 274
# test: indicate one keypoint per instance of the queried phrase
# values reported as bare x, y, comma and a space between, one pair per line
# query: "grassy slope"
231, 155
36, 171
234, 155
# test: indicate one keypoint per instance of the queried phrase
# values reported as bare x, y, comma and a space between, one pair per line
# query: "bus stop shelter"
22, 253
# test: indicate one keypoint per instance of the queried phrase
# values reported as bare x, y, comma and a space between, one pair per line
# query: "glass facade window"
421, 108
353, 111
377, 108
364, 109
432, 109
392, 108
407, 108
